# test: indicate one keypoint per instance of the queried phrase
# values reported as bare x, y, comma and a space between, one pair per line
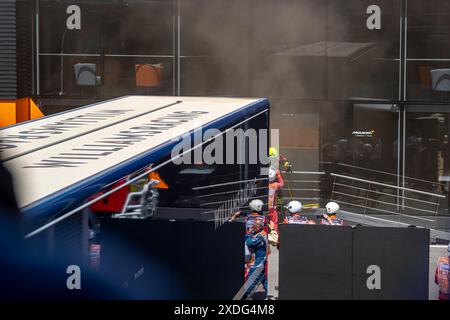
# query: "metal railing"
141, 204
368, 197
302, 189
397, 177
227, 205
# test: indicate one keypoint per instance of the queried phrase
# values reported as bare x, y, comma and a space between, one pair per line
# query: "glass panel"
280, 29
428, 49
56, 38
215, 38
427, 159
138, 75
360, 144
138, 27
428, 80
362, 137
363, 63
121, 48
72, 76
60, 48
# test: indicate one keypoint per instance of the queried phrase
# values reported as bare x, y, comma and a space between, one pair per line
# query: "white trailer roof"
71, 150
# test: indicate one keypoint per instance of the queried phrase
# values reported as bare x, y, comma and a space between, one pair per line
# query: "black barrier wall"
315, 262
402, 256
324, 262
156, 259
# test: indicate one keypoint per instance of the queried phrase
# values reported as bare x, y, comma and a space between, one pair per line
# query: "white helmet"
272, 174
332, 208
256, 205
294, 206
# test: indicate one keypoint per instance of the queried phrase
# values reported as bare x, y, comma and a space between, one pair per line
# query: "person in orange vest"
330, 218
442, 277
295, 217
255, 215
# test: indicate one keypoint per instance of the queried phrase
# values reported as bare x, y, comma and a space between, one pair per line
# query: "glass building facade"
358, 88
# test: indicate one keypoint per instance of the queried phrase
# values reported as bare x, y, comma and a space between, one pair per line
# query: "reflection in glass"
114, 39
427, 160
428, 49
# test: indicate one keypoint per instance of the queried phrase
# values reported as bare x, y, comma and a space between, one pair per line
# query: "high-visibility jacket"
336, 222
274, 186
296, 219
442, 277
